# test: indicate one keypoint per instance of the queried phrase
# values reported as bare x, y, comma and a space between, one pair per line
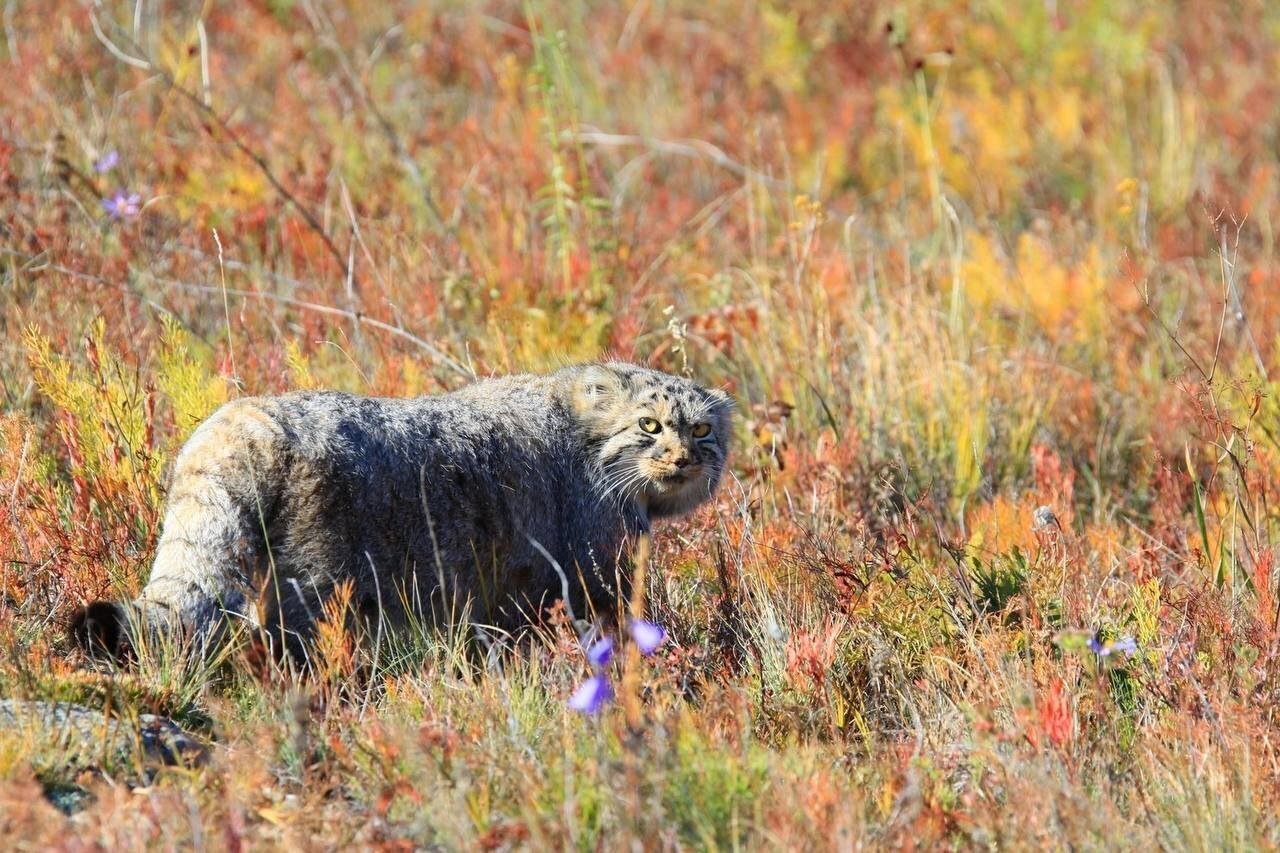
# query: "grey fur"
424, 503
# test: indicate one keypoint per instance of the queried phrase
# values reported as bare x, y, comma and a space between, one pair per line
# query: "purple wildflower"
122, 206
592, 695
1128, 645
647, 635
106, 162
601, 653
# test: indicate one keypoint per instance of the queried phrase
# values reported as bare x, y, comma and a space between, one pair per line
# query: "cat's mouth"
673, 476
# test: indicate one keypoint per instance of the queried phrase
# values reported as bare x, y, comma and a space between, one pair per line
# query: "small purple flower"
1128, 645
592, 695
601, 653
122, 206
106, 162
647, 635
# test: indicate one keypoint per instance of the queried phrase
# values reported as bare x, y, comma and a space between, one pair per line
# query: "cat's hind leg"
213, 548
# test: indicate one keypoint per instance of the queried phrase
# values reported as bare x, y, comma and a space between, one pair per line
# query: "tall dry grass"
957, 262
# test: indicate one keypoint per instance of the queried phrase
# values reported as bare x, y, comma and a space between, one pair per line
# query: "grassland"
956, 261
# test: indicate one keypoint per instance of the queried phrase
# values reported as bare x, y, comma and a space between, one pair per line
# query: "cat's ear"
721, 400
598, 388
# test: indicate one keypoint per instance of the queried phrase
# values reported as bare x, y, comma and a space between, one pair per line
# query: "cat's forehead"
668, 394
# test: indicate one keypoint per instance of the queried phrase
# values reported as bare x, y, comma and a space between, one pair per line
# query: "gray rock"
63, 735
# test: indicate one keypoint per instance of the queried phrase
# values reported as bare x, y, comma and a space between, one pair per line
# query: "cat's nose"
682, 462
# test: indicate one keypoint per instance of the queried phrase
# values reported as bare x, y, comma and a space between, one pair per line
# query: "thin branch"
66, 170
113, 48
301, 304
325, 30
1146, 303
353, 316
258, 160
211, 116
695, 149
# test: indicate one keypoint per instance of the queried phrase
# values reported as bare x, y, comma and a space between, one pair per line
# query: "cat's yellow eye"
650, 426
701, 430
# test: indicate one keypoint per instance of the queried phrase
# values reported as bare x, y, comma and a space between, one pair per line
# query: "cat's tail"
212, 548
125, 631
112, 630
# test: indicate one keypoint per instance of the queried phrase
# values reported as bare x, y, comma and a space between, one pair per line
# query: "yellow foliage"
1144, 603
1062, 299
413, 379
1061, 111
999, 526
977, 139
233, 187
785, 55
180, 56
968, 418
929, 145
107, 412
187, 378
1126, 191
538, 342
998, 139
300, 374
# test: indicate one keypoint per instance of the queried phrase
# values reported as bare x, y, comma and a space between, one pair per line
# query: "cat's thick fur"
502, 496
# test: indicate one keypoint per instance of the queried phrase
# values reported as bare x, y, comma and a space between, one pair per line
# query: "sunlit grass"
960, 266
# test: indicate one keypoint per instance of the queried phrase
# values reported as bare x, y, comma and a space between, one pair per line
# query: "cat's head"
657, 439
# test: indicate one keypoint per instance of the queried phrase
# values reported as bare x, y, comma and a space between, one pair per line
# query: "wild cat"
505, 495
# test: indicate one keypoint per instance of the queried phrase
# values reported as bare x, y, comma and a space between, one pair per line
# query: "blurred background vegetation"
956, 261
